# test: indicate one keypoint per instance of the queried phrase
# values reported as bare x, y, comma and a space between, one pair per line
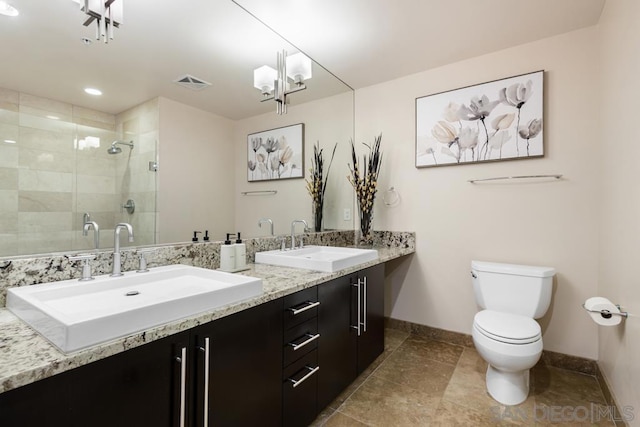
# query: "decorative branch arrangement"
317, 183
365, 182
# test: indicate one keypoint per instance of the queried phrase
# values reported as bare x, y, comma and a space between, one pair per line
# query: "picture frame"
276, 154
493, 121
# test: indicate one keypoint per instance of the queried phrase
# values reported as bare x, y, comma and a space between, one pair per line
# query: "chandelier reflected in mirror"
276, 84
107, 14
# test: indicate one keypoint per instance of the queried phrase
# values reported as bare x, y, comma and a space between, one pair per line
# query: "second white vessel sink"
321, 258
75, 315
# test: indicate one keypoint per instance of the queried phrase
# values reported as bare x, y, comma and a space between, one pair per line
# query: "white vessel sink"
321, 258
74, 315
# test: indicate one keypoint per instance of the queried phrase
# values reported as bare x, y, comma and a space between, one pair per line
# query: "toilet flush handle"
473, 275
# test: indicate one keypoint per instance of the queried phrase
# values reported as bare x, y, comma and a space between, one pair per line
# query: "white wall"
196, 173
620, 207
551, 223
329, 121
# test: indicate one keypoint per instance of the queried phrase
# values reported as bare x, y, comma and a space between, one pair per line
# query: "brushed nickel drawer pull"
312, 371
182, 359
358, 323
309, 306
302, 344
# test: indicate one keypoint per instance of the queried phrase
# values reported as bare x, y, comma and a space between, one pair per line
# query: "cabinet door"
142, 386
371, 340
43, 403
337, 345
138, 387
244, 368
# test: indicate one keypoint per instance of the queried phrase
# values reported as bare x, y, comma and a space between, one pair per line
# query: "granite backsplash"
24, 271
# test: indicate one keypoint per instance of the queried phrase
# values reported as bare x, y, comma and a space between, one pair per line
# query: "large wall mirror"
68, 158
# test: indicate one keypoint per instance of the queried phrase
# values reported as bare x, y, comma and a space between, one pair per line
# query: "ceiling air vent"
191, 82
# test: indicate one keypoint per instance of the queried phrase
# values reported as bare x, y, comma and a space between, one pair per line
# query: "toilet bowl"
505, 333
511, 344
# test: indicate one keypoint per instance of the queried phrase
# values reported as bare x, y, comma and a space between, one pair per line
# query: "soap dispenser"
241, 254
228, 255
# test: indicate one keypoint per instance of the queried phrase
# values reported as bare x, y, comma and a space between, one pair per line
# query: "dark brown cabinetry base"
134, 388
277, 364
351, 323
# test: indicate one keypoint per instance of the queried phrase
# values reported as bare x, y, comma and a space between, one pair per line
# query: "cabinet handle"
207, 357
312, 371
302, 344
357, 327
182, 359
364, 300
309, 306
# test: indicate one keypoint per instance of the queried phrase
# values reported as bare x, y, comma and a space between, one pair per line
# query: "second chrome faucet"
293, 232
117, 264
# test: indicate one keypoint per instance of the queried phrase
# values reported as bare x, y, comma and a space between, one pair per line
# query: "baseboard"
550, 358
608, 395
429, 332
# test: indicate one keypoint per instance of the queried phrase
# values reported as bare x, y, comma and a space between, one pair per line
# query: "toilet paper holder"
606, 313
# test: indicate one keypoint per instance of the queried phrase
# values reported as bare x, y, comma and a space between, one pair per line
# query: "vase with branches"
365, 181
317, 182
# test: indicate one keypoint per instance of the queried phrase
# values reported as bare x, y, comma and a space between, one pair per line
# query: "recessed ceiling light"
7, 9
93, 91
9, 141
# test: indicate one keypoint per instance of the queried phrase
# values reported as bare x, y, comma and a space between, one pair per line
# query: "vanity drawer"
300, 340
299, 391
300, 307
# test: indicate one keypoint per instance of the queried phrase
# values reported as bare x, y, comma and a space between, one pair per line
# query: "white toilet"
504, 332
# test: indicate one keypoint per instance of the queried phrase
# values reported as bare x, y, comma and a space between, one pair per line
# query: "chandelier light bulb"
298, 68
264, 78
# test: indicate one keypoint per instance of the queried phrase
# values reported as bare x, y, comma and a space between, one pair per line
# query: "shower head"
116, 150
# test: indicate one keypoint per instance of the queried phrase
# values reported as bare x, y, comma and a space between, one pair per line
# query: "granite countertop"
26, 357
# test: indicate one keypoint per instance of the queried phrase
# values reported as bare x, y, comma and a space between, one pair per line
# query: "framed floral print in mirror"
276, 154
498, 120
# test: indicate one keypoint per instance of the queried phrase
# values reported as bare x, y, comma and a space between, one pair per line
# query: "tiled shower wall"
135, 180
54, 167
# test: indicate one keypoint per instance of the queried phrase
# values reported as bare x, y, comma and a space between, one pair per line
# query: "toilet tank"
512, 288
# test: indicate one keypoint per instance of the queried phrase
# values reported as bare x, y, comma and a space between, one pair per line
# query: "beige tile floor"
420, 382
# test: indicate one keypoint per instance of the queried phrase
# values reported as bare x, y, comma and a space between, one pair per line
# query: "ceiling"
363, 42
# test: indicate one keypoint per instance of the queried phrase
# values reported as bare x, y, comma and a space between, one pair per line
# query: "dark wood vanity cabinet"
244, 369
133, 388
351, 324
163, 383
276, 364
300, 368
371, 338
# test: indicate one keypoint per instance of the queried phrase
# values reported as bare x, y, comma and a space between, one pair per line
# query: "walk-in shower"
116, 150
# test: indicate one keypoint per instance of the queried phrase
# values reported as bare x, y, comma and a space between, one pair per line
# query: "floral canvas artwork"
276, 154
498, 120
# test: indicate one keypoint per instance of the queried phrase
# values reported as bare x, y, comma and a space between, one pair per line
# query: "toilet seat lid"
507, 327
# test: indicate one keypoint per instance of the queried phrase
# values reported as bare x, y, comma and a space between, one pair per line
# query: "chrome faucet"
96, 232
293, 230
96, 229
261, 220
117, 266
